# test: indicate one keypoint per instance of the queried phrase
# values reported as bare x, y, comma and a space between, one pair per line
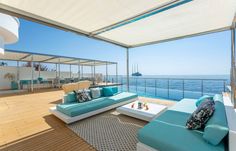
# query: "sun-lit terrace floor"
26, 124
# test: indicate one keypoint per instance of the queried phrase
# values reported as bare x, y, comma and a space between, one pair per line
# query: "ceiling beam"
48, 59
25, 57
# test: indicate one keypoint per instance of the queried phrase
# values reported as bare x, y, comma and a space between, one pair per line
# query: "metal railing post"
168, 90
127, 69
202, 87
183, 88
155, 87
224, 85
121, 81
145, 86
136, 85
233, 72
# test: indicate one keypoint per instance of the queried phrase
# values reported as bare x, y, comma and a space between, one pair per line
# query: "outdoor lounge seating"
74, 111
167, 132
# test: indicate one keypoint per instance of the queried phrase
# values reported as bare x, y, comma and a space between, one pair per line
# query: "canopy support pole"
78, 70
56, 70
18, 75
233, 72
32, 75
94, 72
70, 71
127, 68
82, 71
39, 69
106, 73
116, 73
59, 73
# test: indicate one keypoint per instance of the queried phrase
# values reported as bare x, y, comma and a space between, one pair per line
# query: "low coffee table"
153, 111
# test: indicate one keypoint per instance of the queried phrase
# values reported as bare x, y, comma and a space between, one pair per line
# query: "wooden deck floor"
27, 125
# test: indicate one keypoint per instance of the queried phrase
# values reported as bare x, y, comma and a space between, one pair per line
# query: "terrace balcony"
70, 111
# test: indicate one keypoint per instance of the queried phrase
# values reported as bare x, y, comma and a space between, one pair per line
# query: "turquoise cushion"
123, 96
75, 109
40, 79
107, 91
170, 137
174, 117
201, 99
216, 128
115, 89
69, 98
185, 105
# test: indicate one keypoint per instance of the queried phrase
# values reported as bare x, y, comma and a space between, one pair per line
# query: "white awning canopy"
128, 23
14, 55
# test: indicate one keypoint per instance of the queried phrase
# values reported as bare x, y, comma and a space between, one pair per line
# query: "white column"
127, 69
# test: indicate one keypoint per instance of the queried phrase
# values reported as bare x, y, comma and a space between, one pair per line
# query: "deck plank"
27, 125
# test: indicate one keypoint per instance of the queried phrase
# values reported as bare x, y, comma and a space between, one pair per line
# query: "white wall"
4, 83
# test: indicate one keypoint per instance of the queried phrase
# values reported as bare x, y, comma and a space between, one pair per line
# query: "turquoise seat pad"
174, 117
185, 105
75, 109
169, 137
123, 96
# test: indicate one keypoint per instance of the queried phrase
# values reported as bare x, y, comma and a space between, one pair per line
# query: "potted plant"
11, 77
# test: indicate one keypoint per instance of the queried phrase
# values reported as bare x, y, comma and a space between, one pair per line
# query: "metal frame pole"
78, 70
94, 72
106, 73
232, 77
70, 71
59, 72
82, 71
18, 75
39, 69
56, 70
127, 68
32, 75
117, 73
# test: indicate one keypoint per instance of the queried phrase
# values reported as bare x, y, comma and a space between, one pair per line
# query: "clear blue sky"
202, 55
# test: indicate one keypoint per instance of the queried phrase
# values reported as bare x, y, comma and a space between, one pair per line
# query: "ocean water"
175, 87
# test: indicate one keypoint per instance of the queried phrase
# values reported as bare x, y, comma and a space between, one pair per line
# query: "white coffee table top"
153, 111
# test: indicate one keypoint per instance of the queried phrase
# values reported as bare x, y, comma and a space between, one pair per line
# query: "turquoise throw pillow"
115, 89
69, 98
203, 98
107, 91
